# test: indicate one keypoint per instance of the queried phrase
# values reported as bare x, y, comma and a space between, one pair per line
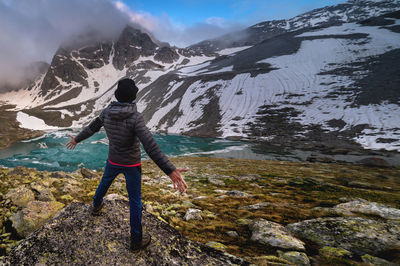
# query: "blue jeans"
133, 177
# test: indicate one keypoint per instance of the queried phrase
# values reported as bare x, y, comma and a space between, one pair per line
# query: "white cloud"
175, 33
33, 30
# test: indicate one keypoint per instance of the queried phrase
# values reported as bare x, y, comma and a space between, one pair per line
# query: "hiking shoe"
96, 210
142, 244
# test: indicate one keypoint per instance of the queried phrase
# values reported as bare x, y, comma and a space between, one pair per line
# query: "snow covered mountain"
336, 83
351, 11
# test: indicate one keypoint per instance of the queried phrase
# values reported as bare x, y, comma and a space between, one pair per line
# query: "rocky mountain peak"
131, 44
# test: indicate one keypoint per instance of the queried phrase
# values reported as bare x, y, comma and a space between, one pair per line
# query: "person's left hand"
177, 179
72, 143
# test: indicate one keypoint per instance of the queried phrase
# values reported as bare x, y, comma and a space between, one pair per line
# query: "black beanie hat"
126, 91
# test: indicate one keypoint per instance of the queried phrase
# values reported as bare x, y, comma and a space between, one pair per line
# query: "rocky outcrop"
131, 44
76, 237
358, 235
166, 55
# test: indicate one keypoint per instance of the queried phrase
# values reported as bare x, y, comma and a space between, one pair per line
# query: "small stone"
274, 234
148, 208
243, 221
193, 214
57, 174
232, 234
298, 258
113, 197
71, 189
216, 245
67, 197
200, 197
237, 193
216, 181
86, 173
256, 206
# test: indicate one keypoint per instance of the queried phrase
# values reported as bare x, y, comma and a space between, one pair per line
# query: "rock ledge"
76, 237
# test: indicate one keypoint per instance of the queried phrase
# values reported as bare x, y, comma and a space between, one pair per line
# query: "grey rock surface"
193, 214
367, 207
298, 258
274, 234
74, 237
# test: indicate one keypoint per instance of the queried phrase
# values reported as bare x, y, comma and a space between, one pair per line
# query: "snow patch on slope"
31, 122
298, 74
229, 51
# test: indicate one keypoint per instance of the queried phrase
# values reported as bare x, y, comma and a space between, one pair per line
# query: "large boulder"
358, 235
274, 235
34, 215
20, 196
75, 237
355, 207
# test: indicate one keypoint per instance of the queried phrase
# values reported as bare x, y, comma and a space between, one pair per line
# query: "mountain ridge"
277, 90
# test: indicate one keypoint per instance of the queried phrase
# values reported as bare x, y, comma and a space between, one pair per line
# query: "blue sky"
191, 12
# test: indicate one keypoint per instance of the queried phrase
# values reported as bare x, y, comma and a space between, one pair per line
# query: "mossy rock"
357, 235
34, 215
334, 252
20, 196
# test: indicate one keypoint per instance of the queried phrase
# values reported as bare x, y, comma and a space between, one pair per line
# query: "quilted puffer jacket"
125, 129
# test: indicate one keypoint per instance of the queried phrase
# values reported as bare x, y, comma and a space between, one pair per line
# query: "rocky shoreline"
10, 132
265, 212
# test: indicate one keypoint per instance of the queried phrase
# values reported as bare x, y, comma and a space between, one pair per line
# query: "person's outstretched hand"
72, 143
177, 179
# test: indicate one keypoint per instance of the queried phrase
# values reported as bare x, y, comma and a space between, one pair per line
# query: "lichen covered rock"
43, 193
20, 196
274, 234
334, 252
367, 207
358, 235
75, 237
34, 215
371, 260
193, 214
297, 258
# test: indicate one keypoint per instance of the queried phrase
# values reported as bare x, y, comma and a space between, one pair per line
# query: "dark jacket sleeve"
88, 131
151, 147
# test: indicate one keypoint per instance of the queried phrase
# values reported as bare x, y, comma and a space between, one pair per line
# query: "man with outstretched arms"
125, 129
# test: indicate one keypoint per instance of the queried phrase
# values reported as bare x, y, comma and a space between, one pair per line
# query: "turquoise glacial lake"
49, 152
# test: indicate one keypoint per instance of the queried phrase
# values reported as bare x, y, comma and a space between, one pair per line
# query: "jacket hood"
121, 111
